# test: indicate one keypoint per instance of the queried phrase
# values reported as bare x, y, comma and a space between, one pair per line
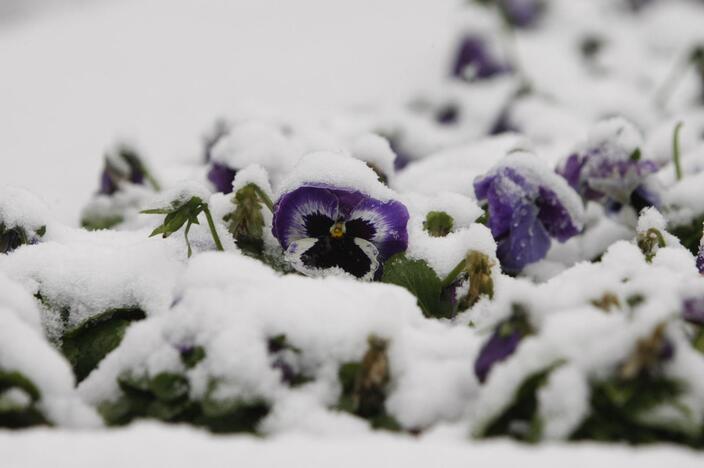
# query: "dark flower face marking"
323, 228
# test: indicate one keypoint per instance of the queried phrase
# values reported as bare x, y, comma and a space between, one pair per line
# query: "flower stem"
676, 151
211, 225
264, 198
452, 276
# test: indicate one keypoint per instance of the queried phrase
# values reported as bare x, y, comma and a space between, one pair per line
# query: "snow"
143, 446
337, 169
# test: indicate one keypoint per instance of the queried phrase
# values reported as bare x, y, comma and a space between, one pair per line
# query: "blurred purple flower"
522, 13
221, 176
700, 259
523, 216
693, 310
502, 343
124, 165
474, 60
322, 227
613, 181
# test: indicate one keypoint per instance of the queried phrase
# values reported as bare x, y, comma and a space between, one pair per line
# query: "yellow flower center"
337, 230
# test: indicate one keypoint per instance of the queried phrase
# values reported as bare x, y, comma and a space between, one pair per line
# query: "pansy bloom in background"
527, 205
503, 342
611, 170
324, 228
247, 143
123, 165
475, 60
221, 176
700, 258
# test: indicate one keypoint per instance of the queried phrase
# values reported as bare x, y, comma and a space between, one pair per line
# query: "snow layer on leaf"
90, 272
24, 349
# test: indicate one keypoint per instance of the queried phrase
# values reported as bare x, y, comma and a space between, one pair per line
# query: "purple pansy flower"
610, 170
614, 183
322, 227
474, 60
221, 177
522, 13
693, 310
124, 165
502, 343
525, 211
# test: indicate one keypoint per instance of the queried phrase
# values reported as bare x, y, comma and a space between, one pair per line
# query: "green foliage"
95, 223
180, 213
365, 386
520, 419
88, 343
422, 281
246, 223
438, 223
649, 242
689, 234
286, 358
478, 267
16, 236
166, 397
11, 238
14, 413
192, 356
617, 407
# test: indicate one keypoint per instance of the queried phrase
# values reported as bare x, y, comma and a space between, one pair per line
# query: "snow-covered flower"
322, 227
475, 60
611, 170
526, 207
700, 258
123, 165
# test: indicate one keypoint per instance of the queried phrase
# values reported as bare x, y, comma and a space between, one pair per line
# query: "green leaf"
95, 223
617, 407
158, 211
689, 234
422, 281
169, 387
87, 344
231, 415
13, 415
192, 356
520, 418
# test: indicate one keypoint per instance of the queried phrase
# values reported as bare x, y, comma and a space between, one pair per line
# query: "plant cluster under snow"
500, 254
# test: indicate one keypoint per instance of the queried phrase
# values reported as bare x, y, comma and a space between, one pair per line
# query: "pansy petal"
496, 349
303, 210
555, 217
504, 192
527, 242
382, 223
221, 176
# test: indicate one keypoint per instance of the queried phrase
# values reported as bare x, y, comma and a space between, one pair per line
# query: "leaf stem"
452, 276
211, 225
676, 151
264, 198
